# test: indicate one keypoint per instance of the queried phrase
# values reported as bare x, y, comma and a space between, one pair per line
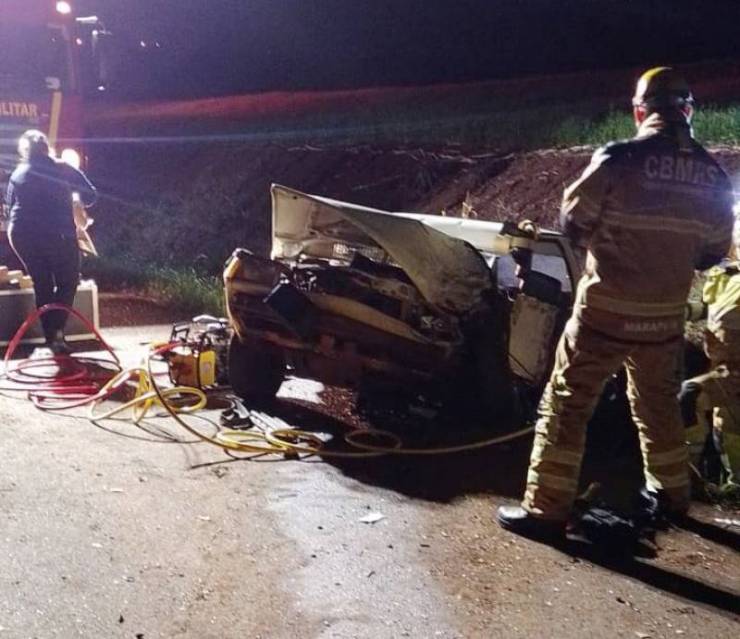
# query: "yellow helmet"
660, 88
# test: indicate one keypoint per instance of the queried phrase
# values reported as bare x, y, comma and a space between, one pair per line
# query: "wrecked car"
456, 310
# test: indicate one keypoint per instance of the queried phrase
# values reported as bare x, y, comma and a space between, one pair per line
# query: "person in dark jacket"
42, 230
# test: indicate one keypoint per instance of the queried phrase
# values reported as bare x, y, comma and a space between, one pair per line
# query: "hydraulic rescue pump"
200, 358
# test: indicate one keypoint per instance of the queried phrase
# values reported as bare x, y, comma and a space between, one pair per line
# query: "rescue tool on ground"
199, 355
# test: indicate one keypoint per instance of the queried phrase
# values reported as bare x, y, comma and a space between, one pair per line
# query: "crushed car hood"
449, 272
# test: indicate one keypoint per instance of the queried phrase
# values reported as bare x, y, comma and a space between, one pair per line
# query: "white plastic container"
17, 304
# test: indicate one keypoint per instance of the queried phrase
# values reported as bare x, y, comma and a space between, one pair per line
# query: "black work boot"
58, 344
60, 348
517, 520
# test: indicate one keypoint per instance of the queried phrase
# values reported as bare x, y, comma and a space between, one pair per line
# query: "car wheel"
256, 369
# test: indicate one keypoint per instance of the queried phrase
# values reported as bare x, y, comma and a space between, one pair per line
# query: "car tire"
256, 369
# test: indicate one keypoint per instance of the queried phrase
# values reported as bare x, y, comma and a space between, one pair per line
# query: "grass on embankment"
482, 126
559, 126
182, 288
714, 125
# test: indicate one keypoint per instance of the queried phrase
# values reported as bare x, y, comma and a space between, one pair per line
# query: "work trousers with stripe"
584, 361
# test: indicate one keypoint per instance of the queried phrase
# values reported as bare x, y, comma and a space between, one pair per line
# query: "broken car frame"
452, 308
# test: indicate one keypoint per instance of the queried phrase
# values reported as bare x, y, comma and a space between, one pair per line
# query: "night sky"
216, 47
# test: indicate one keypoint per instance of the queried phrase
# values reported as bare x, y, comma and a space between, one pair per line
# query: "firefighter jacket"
650, 211
722, 297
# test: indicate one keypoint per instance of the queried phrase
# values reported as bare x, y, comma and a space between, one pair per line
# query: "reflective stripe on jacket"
651, 211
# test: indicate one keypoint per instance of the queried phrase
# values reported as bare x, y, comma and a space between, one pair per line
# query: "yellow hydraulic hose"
144, 397
234, 443
72, 391
147, 394
289, 440
352, 436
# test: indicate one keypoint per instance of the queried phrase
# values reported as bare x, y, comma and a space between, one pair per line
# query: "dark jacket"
650, 211
39, 196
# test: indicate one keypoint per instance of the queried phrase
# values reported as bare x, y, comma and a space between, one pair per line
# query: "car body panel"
352, 292
448, 271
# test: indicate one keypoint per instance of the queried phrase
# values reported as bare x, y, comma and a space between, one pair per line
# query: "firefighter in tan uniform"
649, 211
711, 402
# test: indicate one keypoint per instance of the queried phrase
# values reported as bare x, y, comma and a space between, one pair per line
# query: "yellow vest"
722, 295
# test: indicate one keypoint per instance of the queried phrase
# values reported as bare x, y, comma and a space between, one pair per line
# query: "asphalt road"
115, 531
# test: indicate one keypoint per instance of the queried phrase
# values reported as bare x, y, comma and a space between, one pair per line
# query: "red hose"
70, 380
42, 311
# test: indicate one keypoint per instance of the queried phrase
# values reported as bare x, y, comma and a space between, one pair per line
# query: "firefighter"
649, 212
718, 391
42, 228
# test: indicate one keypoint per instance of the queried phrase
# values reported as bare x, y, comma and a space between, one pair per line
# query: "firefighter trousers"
710, 403
584, 361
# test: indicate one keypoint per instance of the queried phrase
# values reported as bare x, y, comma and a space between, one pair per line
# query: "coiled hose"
74, 382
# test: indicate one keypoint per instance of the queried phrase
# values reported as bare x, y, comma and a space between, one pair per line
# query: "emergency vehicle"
51, 58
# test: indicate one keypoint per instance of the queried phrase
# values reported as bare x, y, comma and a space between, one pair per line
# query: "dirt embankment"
179, 203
